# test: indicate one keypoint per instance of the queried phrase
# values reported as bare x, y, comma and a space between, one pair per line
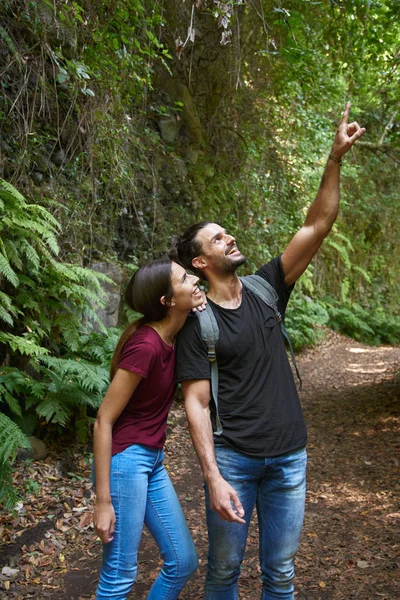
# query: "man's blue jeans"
142, 492
276, 486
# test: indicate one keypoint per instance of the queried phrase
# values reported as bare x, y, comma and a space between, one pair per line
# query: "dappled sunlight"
354, 368
375, 366
365, 501
369, 350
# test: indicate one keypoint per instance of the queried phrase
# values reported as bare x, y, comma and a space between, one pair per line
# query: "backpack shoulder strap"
264, 290
210, 336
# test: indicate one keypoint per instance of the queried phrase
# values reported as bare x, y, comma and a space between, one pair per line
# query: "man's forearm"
202, 437
324, 210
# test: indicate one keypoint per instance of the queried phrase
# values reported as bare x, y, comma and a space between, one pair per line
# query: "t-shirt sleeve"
191, 352
273, 273
138, 355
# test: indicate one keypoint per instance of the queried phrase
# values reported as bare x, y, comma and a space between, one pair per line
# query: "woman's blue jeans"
276, 487
142, 493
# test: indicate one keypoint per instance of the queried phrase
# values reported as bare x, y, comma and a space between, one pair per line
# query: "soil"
350, 546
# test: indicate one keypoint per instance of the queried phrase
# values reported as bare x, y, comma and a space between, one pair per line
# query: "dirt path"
350, 546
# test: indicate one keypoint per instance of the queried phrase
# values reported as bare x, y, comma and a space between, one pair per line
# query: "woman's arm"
117, 397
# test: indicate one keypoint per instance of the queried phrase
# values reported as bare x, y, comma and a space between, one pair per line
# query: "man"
259, 459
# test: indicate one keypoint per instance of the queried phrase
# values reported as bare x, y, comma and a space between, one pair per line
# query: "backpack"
210, 332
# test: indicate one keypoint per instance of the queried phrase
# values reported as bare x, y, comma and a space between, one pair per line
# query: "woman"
132, 485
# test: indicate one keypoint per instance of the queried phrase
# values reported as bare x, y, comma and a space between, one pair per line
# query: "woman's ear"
166, 302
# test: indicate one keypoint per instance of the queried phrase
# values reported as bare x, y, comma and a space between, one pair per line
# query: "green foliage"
373, 326
11, 438
48, 309
302, 321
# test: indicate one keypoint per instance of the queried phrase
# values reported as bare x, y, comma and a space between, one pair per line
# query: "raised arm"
324, 209
117, 397
197, 401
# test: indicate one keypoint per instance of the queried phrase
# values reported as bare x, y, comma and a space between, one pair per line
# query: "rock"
41, 163
181, 168
192, 156
109, 314
9, 573
37, 176
38, 450
58, 157
4, 147
169, 127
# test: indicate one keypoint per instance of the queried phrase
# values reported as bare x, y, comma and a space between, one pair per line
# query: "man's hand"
222, 495
104, 521
346, 134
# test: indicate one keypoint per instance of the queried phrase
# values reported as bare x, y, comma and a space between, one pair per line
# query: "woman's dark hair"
142, 294
186, 247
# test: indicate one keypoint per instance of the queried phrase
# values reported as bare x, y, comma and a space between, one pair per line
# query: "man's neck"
225, 290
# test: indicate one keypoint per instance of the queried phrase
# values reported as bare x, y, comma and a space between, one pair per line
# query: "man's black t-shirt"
258, 403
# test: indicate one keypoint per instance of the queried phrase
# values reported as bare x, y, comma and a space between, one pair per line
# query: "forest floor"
349, 547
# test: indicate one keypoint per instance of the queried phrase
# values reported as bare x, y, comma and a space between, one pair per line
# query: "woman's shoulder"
143, 336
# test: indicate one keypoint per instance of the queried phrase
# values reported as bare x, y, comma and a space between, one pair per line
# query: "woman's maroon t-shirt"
144, 419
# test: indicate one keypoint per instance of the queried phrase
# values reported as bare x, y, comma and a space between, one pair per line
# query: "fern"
11, 251
10, 193
373, 326
22, 345
362, 272
30, 253
11, 438
7, 272
342, 251
302, 320
8, 493
5, 316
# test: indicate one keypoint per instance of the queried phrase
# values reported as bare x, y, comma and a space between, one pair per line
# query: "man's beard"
228, 266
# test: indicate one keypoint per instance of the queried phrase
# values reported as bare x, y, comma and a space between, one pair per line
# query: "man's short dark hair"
186, 247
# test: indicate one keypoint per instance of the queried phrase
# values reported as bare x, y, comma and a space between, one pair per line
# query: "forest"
122, 122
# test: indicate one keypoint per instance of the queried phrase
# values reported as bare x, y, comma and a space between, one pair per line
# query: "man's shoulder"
190, 328
272, 271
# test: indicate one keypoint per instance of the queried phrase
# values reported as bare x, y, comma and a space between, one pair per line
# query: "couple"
258, 459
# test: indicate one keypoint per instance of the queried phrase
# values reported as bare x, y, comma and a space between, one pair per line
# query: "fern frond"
345, 239
5, 316
11, 251
27, 301
22, 345
341, 250
8, 493
362, 272
11, 438
7, 272
11, 402
30, 253
39, 211
54, 410
9, 194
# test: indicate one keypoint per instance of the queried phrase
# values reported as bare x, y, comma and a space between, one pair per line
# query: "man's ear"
199, 262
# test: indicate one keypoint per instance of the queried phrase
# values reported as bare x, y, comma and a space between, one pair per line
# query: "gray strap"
210, 335
264, 290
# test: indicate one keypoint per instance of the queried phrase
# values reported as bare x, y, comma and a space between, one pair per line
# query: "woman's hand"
201, 306
104, 521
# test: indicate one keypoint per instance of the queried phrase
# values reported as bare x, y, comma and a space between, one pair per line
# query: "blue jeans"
276, 486
142, 493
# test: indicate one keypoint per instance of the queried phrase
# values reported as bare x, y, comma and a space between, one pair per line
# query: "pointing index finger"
345, 119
